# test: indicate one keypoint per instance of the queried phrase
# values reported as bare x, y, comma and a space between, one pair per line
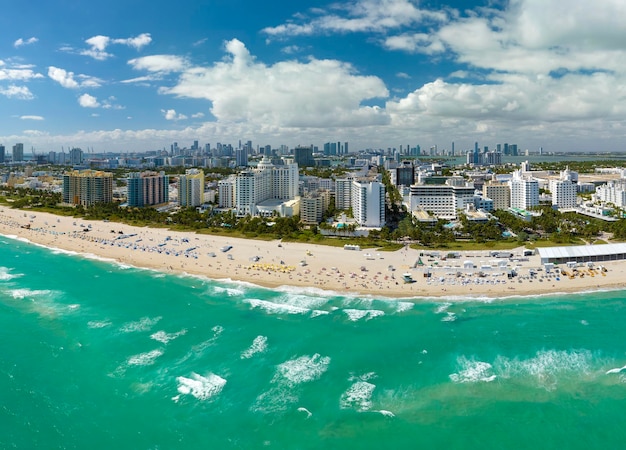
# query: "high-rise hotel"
87, 187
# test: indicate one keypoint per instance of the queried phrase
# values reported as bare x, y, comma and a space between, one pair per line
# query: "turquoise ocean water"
94, 355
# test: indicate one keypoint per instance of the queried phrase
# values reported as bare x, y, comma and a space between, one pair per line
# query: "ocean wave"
200, 387
358, 314
163, 337
358, 396
6, 275
276, 308
301, 370
259, 345
546, 369
231, 292
143, 324
145, 359
20, 294
472, 371
95, 324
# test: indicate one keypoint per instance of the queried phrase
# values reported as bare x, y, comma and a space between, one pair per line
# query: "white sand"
329, 268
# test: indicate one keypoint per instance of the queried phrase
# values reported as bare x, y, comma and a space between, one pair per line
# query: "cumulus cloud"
98, 45
67, 80
159, 63
17, 92
88, 101
197, 115
20, 42
318, 93
358, 16
17, 72
170, 114
31, 117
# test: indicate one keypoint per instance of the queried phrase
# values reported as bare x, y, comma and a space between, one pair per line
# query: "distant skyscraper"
76, 156
18, 152
2, 150
303, 156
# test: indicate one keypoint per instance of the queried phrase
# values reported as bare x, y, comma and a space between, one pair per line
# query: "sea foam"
358, 396
302, 369
163, 337
472, 371
259, 345
201, 387
358, 314
143, 324
145, 359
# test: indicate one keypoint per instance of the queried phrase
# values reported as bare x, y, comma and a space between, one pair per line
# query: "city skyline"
375, 73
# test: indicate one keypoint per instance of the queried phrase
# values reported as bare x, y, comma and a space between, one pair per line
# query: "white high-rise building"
368, 203
441, 200
266, 182
226, 192
191, 188
614, 192
524, 191
563, 191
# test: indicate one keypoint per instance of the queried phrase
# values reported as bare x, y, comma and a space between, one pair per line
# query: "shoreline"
273, 264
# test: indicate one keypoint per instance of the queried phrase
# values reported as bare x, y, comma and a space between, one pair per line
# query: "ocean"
101, 356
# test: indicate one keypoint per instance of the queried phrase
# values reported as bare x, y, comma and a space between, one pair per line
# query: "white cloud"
31, 117
414, 43
137, 42
98, 45
66, 79
88, 101
319, 93
359, 16
170, 114
200, 42
17, 73
197, 115
403, 75
20, 42
63, 77
18, 92
159, 63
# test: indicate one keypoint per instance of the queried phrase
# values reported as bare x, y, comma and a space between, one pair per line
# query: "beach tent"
468, 264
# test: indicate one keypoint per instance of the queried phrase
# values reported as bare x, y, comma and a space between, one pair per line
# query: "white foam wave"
164, 337
472, 371
449, 317
259, 345
145, 359
442, 308
301, 370
303, 301
143, 324
231, 292
358, 396
318, 312
5, 274
547, 366
99, 324
20, 294
201, 387
358, 314
276, 308
404, 306
385, 413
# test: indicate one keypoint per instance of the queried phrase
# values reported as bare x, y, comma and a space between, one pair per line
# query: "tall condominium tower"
147, 188
191, 188
87, 187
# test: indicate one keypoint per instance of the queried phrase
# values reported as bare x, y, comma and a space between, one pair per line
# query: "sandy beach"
274, 263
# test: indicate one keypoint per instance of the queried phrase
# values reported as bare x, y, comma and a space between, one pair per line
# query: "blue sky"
135, 75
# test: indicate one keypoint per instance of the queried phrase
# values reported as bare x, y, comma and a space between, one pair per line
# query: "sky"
133, 75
